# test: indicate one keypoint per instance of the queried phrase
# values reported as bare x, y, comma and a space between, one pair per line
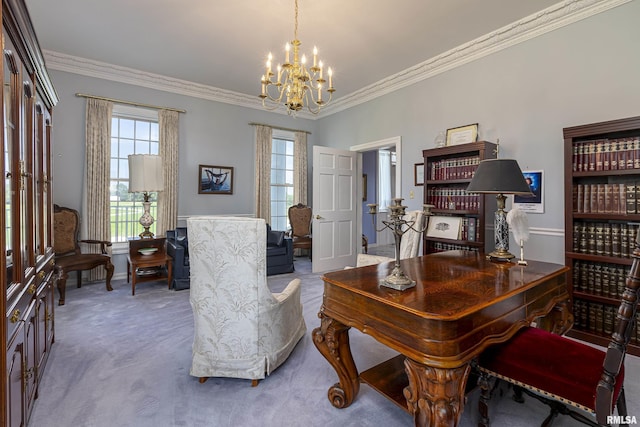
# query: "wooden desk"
461, 304
136, 260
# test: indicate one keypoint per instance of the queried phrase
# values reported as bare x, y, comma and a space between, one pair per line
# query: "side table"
137, 261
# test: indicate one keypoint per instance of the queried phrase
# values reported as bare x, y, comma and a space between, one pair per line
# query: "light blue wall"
211, 133
525, 95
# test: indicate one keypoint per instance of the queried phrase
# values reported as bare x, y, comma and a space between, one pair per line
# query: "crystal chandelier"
294, 85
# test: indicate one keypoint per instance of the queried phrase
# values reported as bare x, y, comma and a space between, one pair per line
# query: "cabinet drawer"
17, 308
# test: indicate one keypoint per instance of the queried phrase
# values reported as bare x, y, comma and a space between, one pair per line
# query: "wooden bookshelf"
602, 218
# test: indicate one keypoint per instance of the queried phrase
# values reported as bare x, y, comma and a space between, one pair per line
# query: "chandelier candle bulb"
315, 57
286, 49
320, 70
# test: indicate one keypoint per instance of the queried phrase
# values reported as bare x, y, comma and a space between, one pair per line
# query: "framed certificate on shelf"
444, 227
462, 135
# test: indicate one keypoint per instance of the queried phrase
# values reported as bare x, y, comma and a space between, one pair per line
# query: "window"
281, 179
133, 131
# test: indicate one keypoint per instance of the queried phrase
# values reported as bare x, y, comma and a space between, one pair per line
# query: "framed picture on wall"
418, 174
364, 187
215, 180
534, 203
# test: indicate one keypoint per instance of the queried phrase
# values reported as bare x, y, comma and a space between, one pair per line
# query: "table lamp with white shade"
146, 175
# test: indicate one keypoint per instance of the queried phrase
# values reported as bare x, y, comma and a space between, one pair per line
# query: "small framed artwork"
418, 174
444, 227
364, 187
462, 134
535, 202
215, 180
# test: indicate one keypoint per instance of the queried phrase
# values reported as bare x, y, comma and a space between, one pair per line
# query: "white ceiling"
224, 43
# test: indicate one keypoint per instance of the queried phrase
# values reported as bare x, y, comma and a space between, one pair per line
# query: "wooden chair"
564, 373
68, 256
300, 221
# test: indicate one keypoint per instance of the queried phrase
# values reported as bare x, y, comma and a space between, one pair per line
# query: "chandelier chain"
295, 28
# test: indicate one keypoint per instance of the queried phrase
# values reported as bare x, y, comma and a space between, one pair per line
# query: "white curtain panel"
263, 172
168, 123
95, 201
300, 168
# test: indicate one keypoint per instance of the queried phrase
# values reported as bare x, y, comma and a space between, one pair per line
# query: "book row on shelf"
598, 278
599, 318
458, 168
443, 246
613, 239
606, 154
453, 198
621, 198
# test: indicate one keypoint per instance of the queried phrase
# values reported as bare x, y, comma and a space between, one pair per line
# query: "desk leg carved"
435, 396
559, 320
332, 340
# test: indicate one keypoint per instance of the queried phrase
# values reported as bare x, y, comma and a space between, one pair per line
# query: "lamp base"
500, 255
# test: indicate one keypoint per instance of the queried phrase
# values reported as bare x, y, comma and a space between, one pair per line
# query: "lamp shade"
145, 173
498, 176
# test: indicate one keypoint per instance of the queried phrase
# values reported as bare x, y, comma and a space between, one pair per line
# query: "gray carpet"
120, 360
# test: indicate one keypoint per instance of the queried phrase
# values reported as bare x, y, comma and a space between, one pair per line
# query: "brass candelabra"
399, 226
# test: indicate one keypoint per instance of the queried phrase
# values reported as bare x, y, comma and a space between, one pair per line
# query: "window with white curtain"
384, 179
281, 178
134, 130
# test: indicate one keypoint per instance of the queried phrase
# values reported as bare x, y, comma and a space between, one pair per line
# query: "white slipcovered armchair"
242, 330
409, 245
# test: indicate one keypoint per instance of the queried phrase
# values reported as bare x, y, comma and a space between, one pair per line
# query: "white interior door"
334, 209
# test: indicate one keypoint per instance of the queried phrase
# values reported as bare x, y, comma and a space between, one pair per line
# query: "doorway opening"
376, 158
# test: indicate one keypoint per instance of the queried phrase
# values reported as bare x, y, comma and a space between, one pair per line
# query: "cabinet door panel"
9, 142
15, 396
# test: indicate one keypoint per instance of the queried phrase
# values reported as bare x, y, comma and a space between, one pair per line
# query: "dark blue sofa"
279, 255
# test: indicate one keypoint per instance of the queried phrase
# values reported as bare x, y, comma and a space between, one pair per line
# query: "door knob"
318, 217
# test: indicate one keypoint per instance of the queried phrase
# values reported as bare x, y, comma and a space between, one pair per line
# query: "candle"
279, 73
320, 69
319, 91
263, 85
315, 56
330, 77
286, 48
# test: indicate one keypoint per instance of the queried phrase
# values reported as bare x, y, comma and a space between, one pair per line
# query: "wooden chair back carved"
300, 221
564, 373
68, 254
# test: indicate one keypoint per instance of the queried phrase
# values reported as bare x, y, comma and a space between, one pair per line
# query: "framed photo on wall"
215, 179
364, 187
535, 203
418, 174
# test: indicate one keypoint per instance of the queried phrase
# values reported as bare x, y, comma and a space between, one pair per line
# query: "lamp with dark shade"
499, 176
145, 176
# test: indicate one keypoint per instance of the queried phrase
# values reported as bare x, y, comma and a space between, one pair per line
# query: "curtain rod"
280, 128
137, 104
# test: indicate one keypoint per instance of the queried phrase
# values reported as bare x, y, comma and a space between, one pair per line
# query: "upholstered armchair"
68, 255
178, 250
409, 245
279, 252
241, 329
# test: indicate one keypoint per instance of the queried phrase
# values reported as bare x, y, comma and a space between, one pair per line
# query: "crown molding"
552, 18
